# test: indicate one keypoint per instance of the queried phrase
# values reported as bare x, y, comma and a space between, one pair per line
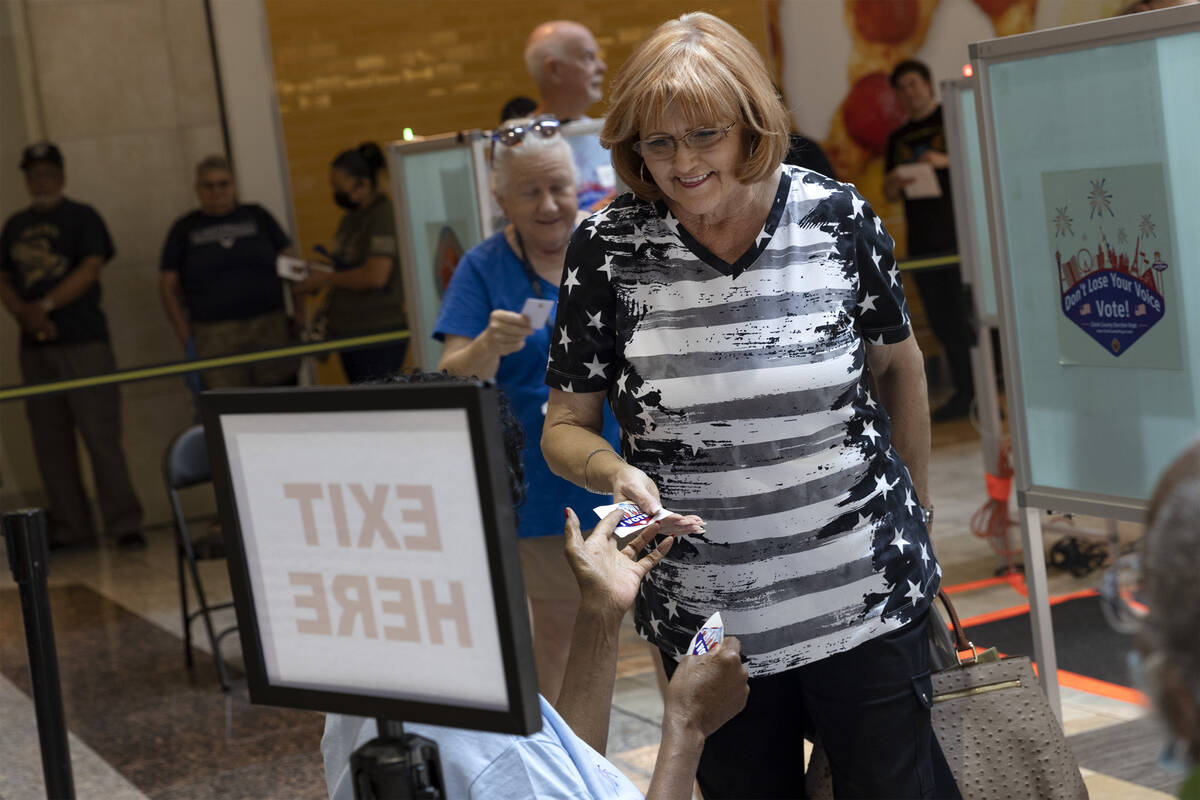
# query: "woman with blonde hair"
746, 323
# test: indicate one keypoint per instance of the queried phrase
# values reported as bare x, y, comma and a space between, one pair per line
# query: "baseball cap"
41, 151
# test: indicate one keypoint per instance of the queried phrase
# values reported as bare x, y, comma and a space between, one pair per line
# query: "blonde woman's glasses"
660, 148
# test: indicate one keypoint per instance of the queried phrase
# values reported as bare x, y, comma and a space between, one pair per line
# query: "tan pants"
234, 336
96, 413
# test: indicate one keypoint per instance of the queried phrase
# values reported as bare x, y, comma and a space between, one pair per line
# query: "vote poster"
1111, 251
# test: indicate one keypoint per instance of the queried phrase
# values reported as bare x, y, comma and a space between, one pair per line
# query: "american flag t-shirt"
742, 392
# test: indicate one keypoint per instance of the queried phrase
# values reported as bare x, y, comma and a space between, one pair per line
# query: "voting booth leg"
397, 766
28, 554
1039, 606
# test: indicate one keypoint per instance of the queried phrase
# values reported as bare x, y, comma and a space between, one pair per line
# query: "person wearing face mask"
1168, 645
218, 283
484, 334
50, 259
366, 295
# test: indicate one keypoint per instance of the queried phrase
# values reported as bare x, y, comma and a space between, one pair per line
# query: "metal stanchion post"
28, 554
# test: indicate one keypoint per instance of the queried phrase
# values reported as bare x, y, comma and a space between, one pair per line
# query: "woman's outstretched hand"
635, 486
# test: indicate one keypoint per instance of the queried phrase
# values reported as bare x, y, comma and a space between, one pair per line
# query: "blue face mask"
1174, 756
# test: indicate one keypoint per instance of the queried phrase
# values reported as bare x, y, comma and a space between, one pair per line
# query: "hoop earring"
642, 172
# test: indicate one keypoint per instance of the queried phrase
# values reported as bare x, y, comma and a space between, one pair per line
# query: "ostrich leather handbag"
995, 727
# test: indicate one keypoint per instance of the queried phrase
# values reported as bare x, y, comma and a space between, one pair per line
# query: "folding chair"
185, 464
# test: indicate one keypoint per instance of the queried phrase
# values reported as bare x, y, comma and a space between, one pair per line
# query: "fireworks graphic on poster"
1100, 199
1147, 227
1062, 223
1122, 237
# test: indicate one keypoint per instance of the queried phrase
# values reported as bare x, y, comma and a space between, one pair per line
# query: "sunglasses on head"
545, 125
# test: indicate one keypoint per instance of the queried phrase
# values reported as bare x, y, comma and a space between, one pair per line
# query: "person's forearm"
475, 359
78, 281
371, 275
585, 700
175, 313
567, 447
678, 758
903, 393
9, 297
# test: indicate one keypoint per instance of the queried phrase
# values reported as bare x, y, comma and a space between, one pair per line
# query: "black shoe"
131, 541
958, 407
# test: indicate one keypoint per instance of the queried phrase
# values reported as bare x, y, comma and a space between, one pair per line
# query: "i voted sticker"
632, 517
708, 636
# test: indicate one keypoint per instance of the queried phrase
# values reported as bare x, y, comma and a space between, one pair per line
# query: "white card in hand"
538, 312
290, 267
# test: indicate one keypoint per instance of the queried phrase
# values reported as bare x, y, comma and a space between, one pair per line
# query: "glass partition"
1094, 164
436, 186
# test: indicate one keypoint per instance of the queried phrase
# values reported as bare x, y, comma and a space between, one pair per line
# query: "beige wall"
126, 88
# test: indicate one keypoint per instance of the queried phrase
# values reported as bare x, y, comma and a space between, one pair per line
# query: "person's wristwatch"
928, 513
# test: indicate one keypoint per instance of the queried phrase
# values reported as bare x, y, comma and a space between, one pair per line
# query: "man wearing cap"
50, 259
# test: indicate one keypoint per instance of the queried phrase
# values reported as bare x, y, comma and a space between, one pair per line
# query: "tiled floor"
141, 727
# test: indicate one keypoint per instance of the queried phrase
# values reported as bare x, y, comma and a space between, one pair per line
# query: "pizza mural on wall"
882, 34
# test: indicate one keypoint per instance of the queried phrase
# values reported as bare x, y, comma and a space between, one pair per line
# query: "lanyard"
535, 283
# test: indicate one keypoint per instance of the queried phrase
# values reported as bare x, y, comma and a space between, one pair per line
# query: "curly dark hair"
514, 434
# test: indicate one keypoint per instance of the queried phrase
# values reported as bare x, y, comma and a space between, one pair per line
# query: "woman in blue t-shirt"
485, 334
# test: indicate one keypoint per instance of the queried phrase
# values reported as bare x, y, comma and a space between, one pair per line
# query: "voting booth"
1089, 145
444, 207
372, 552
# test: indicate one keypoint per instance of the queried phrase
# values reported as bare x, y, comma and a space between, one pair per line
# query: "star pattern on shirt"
857, 202
607, 266
875, 256
597, 218
672, 223
914, 592
572, 280
621, 382
868, 302
878, 226
924, 554
672, 608
870, 432
763, 237
898, 541
865, 520
894, 275
596, 367
594, 320
882, 486
645, 416
909, 503
565, 341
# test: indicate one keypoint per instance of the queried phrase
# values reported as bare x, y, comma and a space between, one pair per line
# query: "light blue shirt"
552, 763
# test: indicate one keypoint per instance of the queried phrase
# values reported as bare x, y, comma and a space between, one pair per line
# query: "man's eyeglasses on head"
660, 148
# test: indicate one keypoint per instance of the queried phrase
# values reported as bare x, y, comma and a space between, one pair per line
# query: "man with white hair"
564, 60
1169, 644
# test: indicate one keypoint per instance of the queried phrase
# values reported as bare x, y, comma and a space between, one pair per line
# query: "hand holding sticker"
632, 518
708, 636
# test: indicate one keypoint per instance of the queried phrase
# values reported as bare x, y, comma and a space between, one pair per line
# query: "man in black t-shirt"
219, 285
931, 226
50, 259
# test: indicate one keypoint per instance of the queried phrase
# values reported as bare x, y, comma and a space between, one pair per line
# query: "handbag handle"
960, 637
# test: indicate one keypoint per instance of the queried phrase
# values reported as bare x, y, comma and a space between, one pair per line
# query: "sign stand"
1089, 434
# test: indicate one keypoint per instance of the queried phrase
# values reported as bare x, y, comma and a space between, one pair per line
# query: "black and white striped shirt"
741, 391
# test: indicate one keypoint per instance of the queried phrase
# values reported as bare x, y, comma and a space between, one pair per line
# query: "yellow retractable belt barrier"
199, 365
925, 263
